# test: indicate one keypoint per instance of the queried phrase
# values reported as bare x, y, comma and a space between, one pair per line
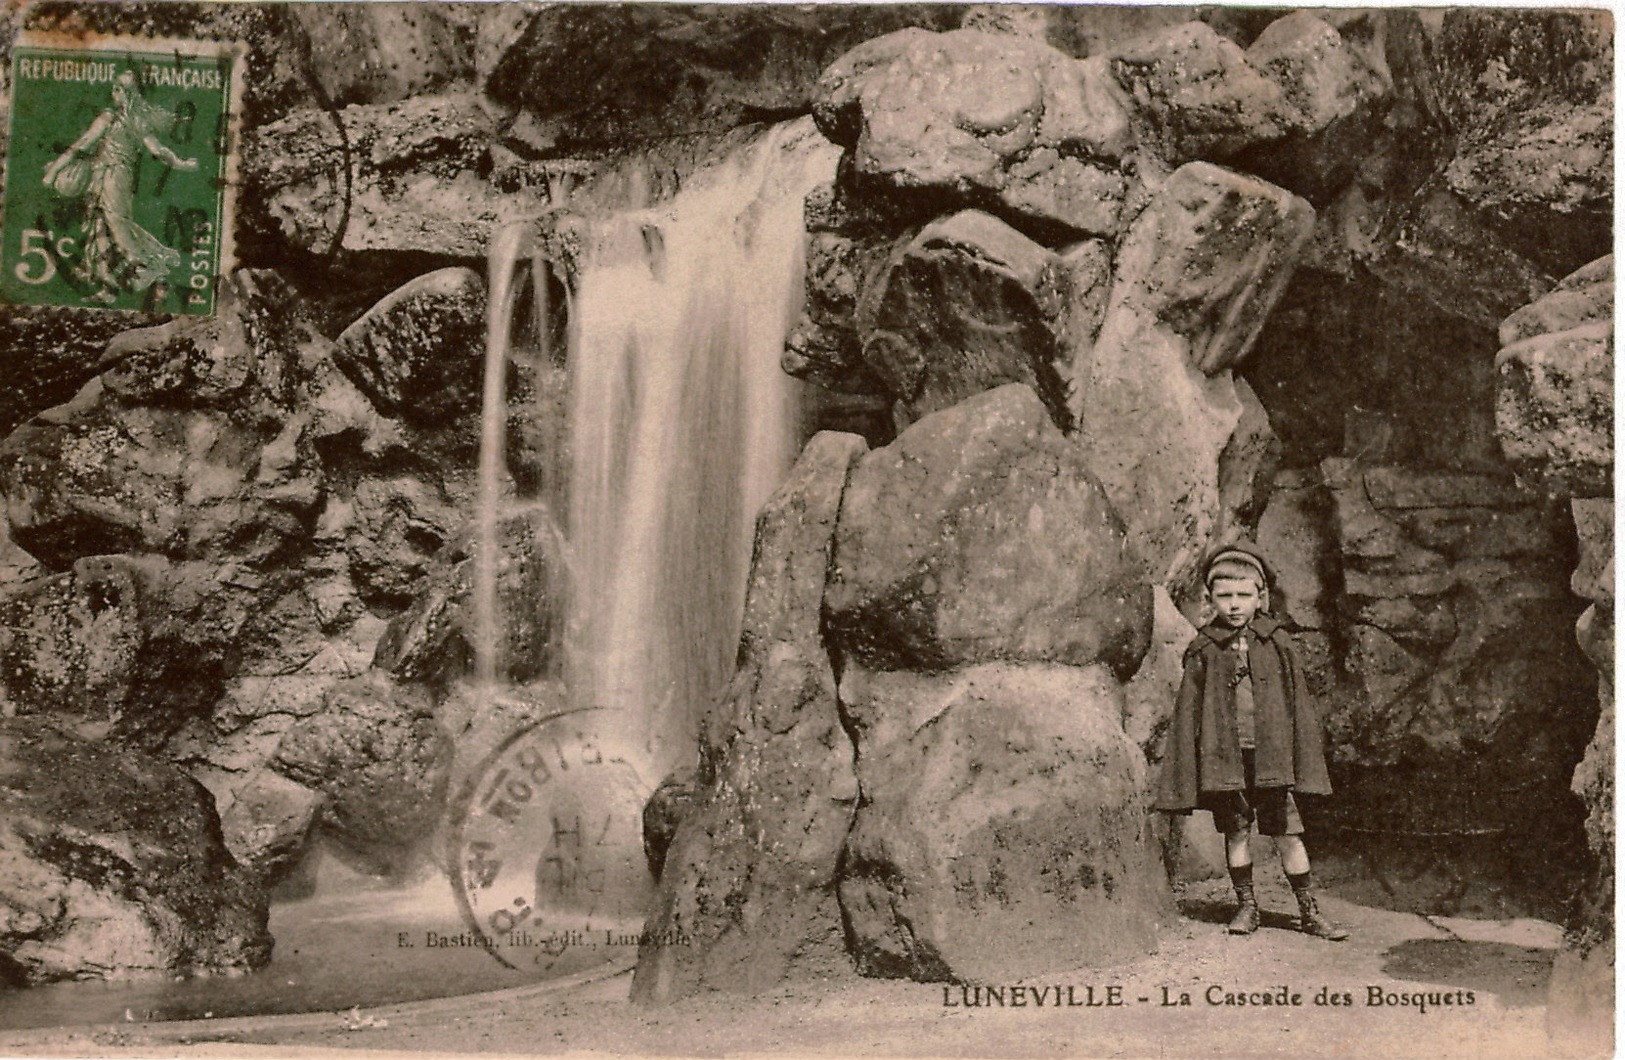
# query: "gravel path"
1494, 974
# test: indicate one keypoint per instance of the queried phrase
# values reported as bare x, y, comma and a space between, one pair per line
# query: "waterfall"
681, 424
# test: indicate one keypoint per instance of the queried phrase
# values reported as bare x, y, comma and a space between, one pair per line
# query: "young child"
1245, 736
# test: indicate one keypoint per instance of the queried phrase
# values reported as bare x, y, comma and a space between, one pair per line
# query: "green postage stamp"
119, 173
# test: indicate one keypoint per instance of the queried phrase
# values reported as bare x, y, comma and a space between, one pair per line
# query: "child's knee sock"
1302, 882
1242, 880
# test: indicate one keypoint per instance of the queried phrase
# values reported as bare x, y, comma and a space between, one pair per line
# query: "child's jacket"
1203, 752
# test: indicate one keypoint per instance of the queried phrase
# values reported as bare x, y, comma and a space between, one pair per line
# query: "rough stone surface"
188, 446
1001, 830
1336, 102
268, 823
1454, 616
994, 118
826, 345
1194, 279
980, 534
380, 760
120, 646
433, 641
400, 524
1346, 365
420, 353
1148, 697
1202, 99
967, 305
383, 54
1554, 407
1296, 534
402, 177
615, 75
112, 866
1581, 998
50, 352
750, 873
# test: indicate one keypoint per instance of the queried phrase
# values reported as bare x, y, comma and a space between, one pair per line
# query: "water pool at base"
335, 950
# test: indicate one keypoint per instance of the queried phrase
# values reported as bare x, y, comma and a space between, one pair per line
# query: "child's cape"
1203, 752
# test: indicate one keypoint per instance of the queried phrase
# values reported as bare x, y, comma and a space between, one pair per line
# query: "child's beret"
1236, 554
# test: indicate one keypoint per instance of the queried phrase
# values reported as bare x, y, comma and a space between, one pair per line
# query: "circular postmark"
548, 843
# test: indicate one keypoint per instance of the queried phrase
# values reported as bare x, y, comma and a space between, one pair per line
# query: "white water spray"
681, 424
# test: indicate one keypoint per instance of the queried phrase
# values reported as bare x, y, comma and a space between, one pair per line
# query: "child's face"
1236, 600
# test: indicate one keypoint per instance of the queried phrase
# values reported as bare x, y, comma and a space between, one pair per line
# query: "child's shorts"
1233, 811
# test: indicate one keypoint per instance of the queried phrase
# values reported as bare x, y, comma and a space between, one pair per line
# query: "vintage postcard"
827, 529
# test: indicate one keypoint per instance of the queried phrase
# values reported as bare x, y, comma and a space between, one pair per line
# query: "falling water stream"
681, 423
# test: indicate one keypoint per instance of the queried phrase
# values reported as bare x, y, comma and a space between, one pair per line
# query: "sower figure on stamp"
1245, 735
101, 165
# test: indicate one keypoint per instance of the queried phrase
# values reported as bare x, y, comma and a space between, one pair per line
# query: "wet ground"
1394, 973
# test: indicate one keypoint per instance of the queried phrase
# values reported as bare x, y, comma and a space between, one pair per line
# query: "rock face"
399, 177
216, 513
50, 352
379, 758
750, 873
1554, 412
1554, 408
112, 866
1033, 133
1192, 283
981, 535
419, 353
1582, 988
1001, 830
967, 305
1455, 622
433, 641
696, 68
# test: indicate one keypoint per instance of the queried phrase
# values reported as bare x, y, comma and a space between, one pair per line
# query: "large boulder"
1336, 100
1001, 832
112, 866
967, 305
419, 353
978, 535
381, 761
1193, 282
749, 875
1554, 408
122, 646
191, 444
1201, 97
986, 117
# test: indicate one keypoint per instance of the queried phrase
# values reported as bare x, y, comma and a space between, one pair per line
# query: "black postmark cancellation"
548, 853
1038, 996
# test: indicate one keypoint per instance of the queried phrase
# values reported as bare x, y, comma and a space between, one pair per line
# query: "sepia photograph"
777, 530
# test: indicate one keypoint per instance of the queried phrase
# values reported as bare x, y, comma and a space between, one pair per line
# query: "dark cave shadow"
1518, 975
1209, 911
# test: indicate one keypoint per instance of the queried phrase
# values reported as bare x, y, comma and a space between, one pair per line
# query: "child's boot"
1310, 919
1245, 922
